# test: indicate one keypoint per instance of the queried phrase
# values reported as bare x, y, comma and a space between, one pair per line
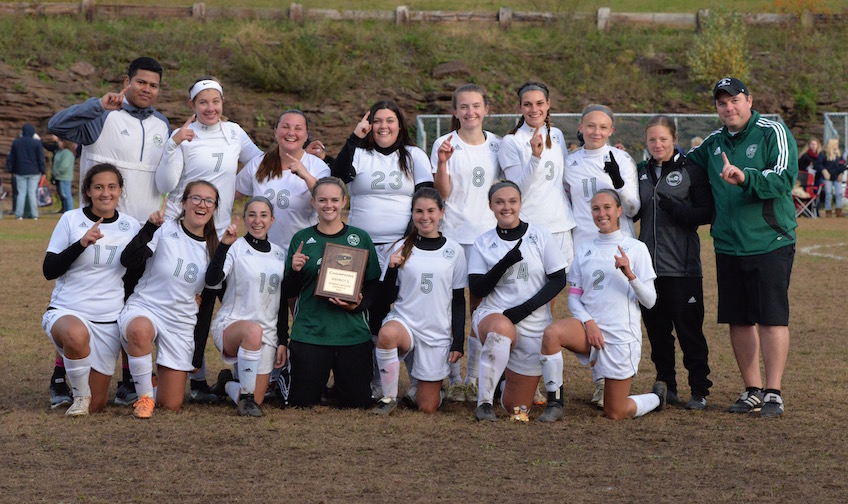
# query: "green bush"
721, 49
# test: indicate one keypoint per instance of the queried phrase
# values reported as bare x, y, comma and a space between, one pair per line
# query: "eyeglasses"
210, 202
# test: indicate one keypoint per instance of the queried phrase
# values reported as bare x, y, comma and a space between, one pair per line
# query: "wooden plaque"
342, 272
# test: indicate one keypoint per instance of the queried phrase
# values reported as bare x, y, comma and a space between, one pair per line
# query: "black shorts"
754, 289
310, 370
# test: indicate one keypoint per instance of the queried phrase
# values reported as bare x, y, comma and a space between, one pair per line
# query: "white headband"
203, 85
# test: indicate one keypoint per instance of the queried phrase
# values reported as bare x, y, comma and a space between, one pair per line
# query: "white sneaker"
79, 407
471, 391
456, 392
598, 395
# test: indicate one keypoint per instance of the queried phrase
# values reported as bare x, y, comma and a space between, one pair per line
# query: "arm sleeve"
81, 123
701, 209
646, 293
137, 252
343, 165
283, 322
481, 285
576, 307
389, 286
781, 169
630, 192
215, 272
555, 284
458, 321
55, 265
171, 167
370, 292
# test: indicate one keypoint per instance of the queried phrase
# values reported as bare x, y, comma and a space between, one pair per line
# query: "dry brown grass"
208, 454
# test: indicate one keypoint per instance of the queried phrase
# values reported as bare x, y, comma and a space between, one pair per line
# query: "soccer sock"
141, 369
200, 375
455, 375
126, 377
375, 368
388, 366
248, 365
552, 371
493, 360
472, 362
78, 371
645, 403
233, 390
235, 371
58, 368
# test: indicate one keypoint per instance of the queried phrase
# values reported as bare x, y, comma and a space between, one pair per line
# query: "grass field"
209, 454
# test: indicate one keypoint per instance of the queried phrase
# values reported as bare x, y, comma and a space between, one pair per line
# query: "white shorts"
173, 350
383, 253
104, 340
615, 361
525, 357
266, 360
429, 362
566, 244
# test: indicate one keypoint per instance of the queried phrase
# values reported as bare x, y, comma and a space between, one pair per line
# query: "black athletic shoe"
384, 406
485, 413
125, 394
747, 402
60, 394
671, 398
247, 406
772, 405
697, 402
284, 384
554, 409
661, 390
201, 393
224, 376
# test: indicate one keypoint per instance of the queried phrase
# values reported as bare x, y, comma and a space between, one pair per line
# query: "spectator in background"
63, 172
26, 162
695, 142
809, 155
831, 166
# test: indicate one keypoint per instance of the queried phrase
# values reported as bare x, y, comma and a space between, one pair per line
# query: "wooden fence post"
402, 15
505, 18
87, 8
296, 13
700, 18
198, 11
603, 19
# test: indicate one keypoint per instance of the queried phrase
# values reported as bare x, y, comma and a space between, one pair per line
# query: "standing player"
517, 269
83, 256
427, 274
465, 165
675, 199
207, 147
123, 129
248, 329
285, 175
382, 168
754, 237
328, 333
610, 276
163, 308
595, 166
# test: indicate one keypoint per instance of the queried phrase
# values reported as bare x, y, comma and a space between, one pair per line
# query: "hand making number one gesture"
185, 133
114, 101
730, 173
364, 126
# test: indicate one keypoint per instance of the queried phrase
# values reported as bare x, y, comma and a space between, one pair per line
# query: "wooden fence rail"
504, 17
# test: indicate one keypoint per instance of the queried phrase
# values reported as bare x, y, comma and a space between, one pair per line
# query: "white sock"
200, 375
78, 371
141, 369
552, 371
472, 361
388, 366
455, 375
645, 403
409, 360
493, 360
248, 365
233, 390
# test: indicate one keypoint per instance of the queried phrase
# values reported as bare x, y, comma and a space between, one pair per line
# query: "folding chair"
808, 207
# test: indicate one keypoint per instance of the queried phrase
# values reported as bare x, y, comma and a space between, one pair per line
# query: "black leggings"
310, 369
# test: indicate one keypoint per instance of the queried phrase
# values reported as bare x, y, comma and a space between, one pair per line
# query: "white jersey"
472, 170
543, 196
291, 197
607, 297
213, 155
172, 278
253, 287
93, 286
381, 195
541, 256
427, 280
585, 176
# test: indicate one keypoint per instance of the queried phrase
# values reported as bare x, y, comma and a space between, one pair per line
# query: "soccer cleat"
485, 413
143, 407
224, 376
540, 397
376, 390
60, 394
660, 389
201, 393
772, 405
409, 398
471, 391
696, 402
671, 398
125, 393
748, 402
79, 407
555, 409
456, 392
598, 395
384, 406
284, 384
247, 406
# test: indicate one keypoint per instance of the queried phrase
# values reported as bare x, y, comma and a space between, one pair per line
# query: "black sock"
198, 384
754, 389
126, 377
772, 391
58, 372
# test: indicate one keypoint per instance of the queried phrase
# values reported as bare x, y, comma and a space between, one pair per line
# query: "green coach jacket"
758, 216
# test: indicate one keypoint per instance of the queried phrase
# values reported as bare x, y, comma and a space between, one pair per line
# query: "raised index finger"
535, 133
190, 120
724, 156
124, 91
299, 248
97, 224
